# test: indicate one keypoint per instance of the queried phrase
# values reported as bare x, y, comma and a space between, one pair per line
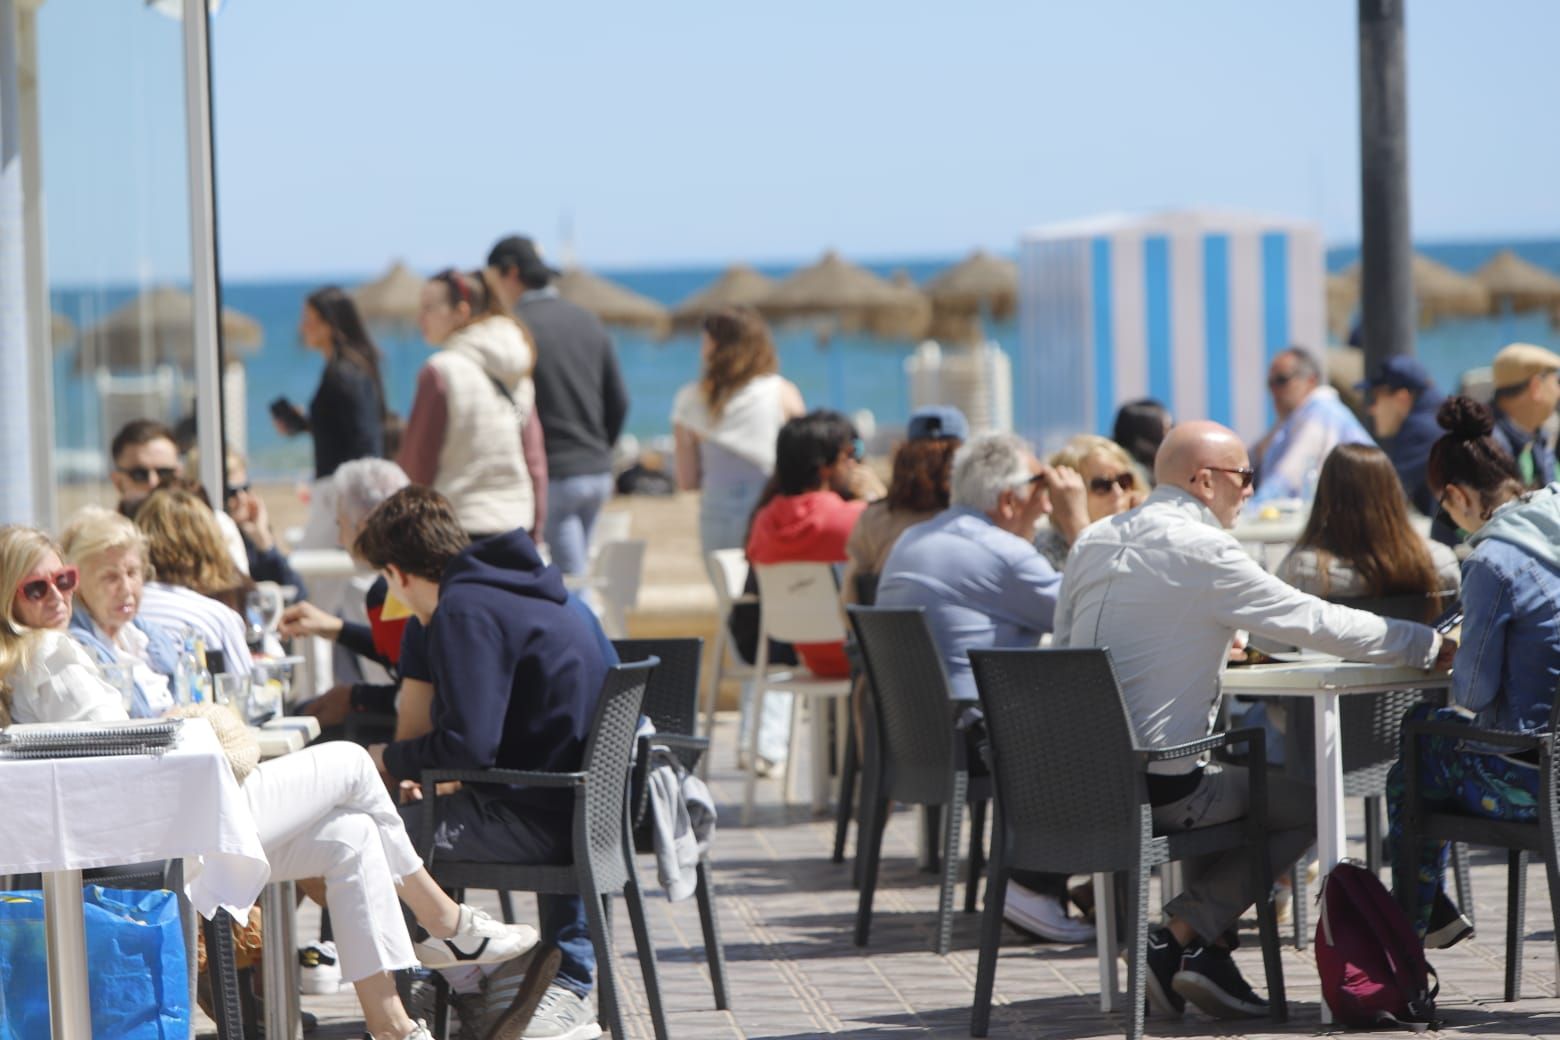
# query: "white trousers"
324, 812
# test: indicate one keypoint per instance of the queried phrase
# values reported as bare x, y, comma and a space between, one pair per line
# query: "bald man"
1165, 586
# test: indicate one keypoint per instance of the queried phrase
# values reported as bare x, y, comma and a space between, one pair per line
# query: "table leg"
279, 961
1330, 836
64, 922
1105, 938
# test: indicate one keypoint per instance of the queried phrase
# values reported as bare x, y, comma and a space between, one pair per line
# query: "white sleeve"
65, 686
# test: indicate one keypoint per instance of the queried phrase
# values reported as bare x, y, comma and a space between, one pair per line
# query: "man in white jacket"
1165, 586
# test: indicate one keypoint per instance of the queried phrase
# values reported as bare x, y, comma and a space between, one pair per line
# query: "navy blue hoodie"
517, 671
1409, 450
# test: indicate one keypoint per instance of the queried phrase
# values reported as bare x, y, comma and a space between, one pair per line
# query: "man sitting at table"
516, 672
1165, 587
975, 570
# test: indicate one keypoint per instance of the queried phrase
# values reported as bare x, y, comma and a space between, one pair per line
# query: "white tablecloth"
75, 813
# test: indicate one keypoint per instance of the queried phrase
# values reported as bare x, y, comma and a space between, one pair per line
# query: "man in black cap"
1402, 399
580, 397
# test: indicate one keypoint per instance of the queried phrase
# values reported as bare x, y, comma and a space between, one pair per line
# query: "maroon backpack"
1372, 965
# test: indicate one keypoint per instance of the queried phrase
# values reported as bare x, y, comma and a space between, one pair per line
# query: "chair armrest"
678, 741
1457, 731
511, 777
1251, 736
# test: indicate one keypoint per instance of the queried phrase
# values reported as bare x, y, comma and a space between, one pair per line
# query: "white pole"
40, 330
203, 248
16, 431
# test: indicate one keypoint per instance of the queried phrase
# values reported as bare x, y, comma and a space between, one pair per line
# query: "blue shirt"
981, 587
1297, 448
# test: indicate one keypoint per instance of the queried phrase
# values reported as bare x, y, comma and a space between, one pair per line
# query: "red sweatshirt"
807, 528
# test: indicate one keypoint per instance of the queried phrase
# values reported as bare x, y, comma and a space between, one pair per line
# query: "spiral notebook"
89, 739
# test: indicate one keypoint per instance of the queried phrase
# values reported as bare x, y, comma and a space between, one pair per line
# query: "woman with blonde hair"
474, 396
726, 423
111, 556
1113, 481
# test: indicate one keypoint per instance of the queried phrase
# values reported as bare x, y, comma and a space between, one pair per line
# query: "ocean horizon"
873, 369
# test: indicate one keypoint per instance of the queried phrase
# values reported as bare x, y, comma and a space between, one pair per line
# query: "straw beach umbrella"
1515, 284
1343, 297
738, 286
612, 303
850, 298
158, 328
393, 298
979, 282
1440, 291
61, 330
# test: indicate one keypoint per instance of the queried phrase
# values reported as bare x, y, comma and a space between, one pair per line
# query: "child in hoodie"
1508, 659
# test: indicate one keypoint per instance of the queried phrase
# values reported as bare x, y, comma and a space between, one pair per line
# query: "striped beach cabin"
1187, 307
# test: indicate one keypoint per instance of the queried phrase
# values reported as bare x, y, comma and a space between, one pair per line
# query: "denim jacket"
1509, 659
161, 650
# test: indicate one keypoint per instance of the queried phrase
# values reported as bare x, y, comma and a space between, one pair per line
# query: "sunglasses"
237, 489
1281, 380
64, 580
858, 449
1103, 485
143, 474
1246, 473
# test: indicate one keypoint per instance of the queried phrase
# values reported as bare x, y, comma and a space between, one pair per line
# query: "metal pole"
203, 248
16, 432
40, 323
1387, 288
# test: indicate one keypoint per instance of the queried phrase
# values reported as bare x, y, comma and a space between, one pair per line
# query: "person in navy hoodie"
517, 672
1402, 400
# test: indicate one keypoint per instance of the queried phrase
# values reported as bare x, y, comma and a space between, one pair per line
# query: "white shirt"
61, 683
176, 609
1164, 587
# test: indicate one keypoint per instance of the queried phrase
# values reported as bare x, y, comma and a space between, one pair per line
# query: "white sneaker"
478, 939
562, 1015
1044, 916
318, 970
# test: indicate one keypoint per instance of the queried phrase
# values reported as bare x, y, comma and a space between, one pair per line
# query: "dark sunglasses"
1282, 379
63, 580
143, 474
1103, 485
1246, 473
237, 489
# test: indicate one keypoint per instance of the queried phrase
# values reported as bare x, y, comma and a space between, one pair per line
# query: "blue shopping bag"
136, 965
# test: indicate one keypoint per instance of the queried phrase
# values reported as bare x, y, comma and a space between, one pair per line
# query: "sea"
852, 373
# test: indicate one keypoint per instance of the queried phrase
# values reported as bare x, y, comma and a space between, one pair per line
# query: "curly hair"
923, 472
741, 350
184, 546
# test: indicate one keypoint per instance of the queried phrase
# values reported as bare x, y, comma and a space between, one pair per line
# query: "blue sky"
704, 131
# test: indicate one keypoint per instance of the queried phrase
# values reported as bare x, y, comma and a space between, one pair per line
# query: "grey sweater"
580, 397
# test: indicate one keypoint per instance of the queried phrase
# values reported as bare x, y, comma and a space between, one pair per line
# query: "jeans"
1452, 778
724, 512
482, 828
573, 503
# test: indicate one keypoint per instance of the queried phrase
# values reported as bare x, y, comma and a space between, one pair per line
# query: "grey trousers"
1218, 886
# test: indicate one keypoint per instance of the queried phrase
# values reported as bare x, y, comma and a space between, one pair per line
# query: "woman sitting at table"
1112, 482
320, 812
111, 556
1508, 658
1358, 541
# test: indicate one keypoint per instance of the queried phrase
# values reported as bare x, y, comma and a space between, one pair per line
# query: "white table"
63, 815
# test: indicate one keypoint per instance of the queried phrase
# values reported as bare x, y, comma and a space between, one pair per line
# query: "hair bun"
1465, 418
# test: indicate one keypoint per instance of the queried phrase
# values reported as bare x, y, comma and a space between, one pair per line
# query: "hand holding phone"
287, 416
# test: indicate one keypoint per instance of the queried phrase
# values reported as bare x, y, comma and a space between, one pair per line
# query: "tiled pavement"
787, 912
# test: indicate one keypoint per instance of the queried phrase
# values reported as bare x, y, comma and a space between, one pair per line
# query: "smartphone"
287, 413
1449, 619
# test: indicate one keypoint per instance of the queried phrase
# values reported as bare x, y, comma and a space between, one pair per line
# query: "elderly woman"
111, 556
1113, 483
320, 812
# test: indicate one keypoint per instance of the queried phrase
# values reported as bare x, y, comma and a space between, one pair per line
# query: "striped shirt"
176, 609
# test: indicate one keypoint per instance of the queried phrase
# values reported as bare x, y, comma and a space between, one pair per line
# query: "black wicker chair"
603, 852
672, 703
850, 768
1071, 798
918, 757
1518, 839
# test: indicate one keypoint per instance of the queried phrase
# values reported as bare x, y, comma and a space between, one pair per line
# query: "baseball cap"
519, 251
937, 422
1398, 373
1518, 362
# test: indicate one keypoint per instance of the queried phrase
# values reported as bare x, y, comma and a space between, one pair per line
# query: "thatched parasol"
1343, 298
1439, 291
738, 286
158, 328
978, 282
61, 330
1516, 284
393, 298
612, 303
851, 297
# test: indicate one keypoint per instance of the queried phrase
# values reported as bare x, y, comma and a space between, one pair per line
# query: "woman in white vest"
473, 397
726, 424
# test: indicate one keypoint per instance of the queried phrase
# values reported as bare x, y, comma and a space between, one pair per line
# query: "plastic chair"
616, 572
797, 603
728, 571
918, 757
672, 704
603, 862
1071, 798
1518, 839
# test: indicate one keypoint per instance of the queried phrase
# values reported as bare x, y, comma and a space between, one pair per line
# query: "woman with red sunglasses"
44, 674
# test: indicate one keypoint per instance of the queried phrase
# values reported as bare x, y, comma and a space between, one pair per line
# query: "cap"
1518, 362
520, 252
937, 422
1398, 373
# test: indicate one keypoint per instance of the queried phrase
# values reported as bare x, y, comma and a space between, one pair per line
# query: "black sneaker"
1209, 979
1164, 959
1448, 925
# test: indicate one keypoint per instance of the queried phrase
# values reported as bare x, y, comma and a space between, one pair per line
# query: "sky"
351, 132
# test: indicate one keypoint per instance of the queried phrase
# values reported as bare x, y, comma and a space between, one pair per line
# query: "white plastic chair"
728, 570
797, 603
612, 586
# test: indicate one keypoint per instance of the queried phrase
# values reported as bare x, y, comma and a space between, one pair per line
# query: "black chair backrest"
910, 695
599, 817
672, 697
866, 588
1069, 786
